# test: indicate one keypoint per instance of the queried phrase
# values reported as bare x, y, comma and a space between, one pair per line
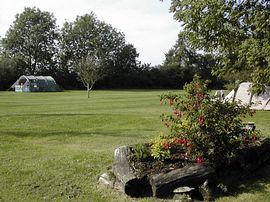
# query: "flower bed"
151, 177
206, 138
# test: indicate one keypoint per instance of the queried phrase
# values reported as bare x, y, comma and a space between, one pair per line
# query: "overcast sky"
147, 24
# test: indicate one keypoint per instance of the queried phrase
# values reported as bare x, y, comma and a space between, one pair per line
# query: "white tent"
243, 94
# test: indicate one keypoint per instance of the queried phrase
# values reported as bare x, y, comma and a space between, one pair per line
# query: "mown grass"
53, 146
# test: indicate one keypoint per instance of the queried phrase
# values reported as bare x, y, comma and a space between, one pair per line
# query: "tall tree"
122, 71
181, 62
237, 31
86, 36
32, 38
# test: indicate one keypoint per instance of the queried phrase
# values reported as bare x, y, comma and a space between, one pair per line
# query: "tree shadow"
237, 184
112, 133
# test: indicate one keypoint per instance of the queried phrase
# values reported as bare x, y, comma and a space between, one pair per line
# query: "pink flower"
165, 144
177, 113
254, 137
201, 120
178, 140
199, 159
171, 101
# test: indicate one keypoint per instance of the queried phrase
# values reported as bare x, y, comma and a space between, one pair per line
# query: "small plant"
207, 128
161, 148
141, 152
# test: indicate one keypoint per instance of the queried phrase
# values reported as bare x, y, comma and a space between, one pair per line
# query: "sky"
147, 24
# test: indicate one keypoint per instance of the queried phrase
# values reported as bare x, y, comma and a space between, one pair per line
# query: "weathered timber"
190, 175
129, 182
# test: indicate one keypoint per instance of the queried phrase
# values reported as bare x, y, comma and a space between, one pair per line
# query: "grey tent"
243, 94
35, 84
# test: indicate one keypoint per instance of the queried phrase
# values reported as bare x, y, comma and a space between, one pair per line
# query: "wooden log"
130, 184
190, 175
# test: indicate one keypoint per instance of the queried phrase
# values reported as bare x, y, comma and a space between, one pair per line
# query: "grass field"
53, 146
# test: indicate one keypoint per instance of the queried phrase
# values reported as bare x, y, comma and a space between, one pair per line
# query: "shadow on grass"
257, 181
57, 114
115, 133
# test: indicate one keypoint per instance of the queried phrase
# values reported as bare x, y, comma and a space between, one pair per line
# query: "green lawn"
53, 146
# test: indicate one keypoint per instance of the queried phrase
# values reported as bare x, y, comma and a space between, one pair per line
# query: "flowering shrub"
206, 127
161, 148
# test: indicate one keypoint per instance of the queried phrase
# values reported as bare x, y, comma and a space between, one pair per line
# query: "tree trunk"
235, 90
250, 99
88, 90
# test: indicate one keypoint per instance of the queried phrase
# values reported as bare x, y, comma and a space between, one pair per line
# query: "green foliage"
8, 73
185, 62
140, 152
90, 70
160, 148
213, 128
86, 36
236, 31
32, 39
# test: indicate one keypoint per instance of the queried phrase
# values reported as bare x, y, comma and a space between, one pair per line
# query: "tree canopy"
237, 32
31, 41
87, 35
35, 45
184, 61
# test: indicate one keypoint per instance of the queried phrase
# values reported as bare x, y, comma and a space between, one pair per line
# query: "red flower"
178, 141
201, 120
171, 101
165, 144
177, 113
199, 159
182, 141
189, 145
185, 141
199, 96
254, 137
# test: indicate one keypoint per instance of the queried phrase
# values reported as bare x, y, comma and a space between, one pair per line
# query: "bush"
212, 129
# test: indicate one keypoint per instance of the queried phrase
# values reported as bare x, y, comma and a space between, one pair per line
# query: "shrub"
161, 148
212, 128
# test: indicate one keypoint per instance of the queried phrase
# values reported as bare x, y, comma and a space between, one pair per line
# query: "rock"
206, 192
105, 179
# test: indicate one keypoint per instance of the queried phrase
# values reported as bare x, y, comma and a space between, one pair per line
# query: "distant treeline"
34, 45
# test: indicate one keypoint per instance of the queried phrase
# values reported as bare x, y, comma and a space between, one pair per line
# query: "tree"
183, 61
8, 73
88, 35
238, 32
180, 61
121, 73
32, 38
90, 69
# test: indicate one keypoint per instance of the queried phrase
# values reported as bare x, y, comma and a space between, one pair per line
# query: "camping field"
53, 146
